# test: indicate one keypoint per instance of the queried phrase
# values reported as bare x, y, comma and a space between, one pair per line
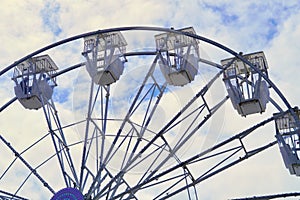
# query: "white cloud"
283, 60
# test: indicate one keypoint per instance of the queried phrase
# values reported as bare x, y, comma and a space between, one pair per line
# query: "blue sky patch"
50, 17
226, 17
272, 31
61, 95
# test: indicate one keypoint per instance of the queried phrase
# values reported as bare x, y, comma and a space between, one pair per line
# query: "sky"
271, 26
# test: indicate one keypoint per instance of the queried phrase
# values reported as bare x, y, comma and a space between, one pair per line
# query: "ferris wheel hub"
68, 193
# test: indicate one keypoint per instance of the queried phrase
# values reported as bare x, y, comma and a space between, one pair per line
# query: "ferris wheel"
150, 116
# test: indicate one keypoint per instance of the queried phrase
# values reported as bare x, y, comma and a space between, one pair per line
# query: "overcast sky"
271, 26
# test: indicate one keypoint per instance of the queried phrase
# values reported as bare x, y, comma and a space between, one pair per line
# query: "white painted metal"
34, 82
287, 127
248, 92
103, 52
181, 68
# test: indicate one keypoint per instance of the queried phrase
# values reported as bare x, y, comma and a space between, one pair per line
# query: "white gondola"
182, 67
247, 90
34, 82
103, 53
288, 137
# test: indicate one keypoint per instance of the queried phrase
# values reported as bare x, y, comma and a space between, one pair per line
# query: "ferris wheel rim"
236, 55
